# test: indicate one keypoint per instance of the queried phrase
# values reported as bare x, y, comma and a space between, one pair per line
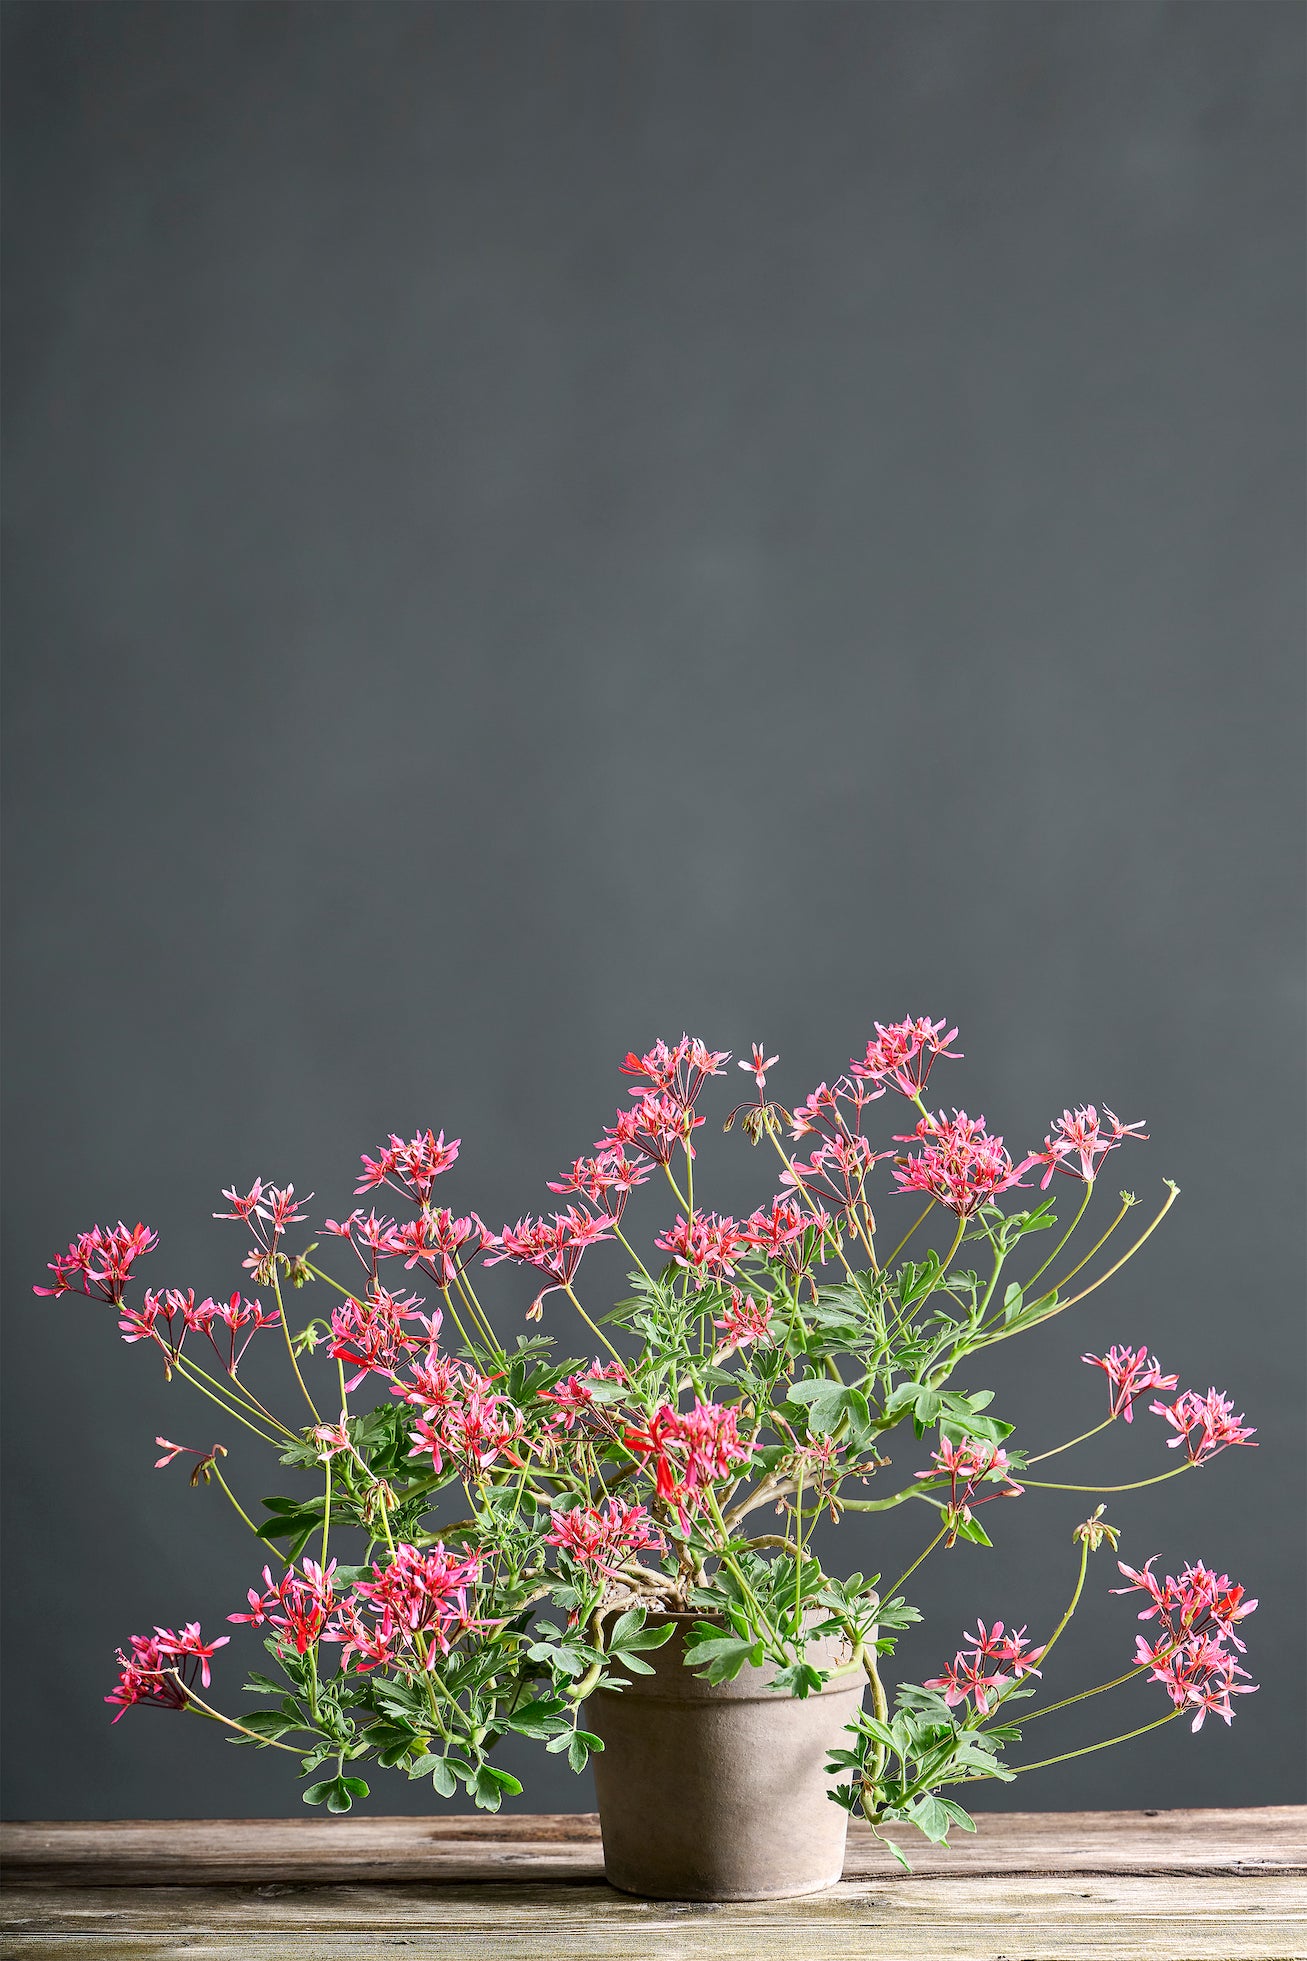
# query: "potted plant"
613, 1553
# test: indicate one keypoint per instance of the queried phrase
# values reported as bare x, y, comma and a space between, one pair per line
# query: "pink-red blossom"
412, 1167
1129, 1372
706, 1246
744, 1320
300, 1605
959, 1164
162, 1668
98, 1263
1197, 1611
604, 1537
994, 1660
1079, 1141
904, 1054
1205, 1425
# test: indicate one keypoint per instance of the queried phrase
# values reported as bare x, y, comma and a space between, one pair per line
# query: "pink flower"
437, 1241
1205, 1425
759, 1063
779, 1233
300, 1604
606, 1180
678, 1073
606, 1537
573, 1397
370, 1333
1129, 1372
904, 1054
967, 1676
706, 1247
244, 1207
967, 1465
461, 1417
412, 1167
655, 1127
418, 1598
190, 1643
161, 1668
100, 1260
745, 1320
1080, 1134
688, 1449
554, 1248
1197, 1612
959, 1164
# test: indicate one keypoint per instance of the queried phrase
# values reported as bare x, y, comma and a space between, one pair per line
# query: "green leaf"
490, 1785
930, 1816
970, 1528
319, 1793
541, 1718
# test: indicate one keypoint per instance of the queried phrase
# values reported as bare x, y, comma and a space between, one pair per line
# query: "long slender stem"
184, 1370
1070, 1445
597, 1332
891, 1591
908, 1234
1089, 1748
290, 1346
216, 1715
1080, 1213
1038, 1484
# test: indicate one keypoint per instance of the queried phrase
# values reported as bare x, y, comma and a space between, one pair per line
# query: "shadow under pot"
717, 1791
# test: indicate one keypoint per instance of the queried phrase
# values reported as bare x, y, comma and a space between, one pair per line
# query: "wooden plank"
1085, 1919
566, 1848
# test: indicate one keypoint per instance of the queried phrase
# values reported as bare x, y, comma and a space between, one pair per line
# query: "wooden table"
1090, 1886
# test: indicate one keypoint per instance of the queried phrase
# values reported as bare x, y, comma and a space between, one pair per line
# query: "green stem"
1038, 1484
1082, 1438
908, 1234
326, 1516
595, 1331
184, 1369
290, 1346
1089, 1748
241, 1509
215, 1715
891, 1591
1080, 1213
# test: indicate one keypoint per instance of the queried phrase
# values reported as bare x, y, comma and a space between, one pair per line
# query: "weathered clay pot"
718, 1791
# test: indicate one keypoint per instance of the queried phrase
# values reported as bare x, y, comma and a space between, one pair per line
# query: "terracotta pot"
718, 1791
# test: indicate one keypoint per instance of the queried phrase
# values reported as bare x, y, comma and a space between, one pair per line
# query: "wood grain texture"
566, 1846
1099, 1886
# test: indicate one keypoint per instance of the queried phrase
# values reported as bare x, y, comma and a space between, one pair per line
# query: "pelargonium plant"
493, 1532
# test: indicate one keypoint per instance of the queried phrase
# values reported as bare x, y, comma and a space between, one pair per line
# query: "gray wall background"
532, 527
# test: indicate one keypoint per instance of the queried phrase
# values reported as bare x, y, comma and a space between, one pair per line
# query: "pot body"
718, 1791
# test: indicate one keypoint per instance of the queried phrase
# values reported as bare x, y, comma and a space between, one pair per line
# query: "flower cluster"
959, 1164
370, 1333
99, 1263
1079, 1141
705, 1246
744, 1320
688, 1449
162, 1667
301, 1605
967, 1465
1129, 1372
413, 1167
1197, 1612
167, 1318
462, 1417
1205, 1425
604, 1538
903, 1055
419, 1599
993, 1661
574, 1396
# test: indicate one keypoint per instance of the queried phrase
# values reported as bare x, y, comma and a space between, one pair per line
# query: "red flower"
688, 1449
415, 1596
555, 1248
370, 1333
300, 1604
573, 1396
967, 1465
745, 1320
1197, 1612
